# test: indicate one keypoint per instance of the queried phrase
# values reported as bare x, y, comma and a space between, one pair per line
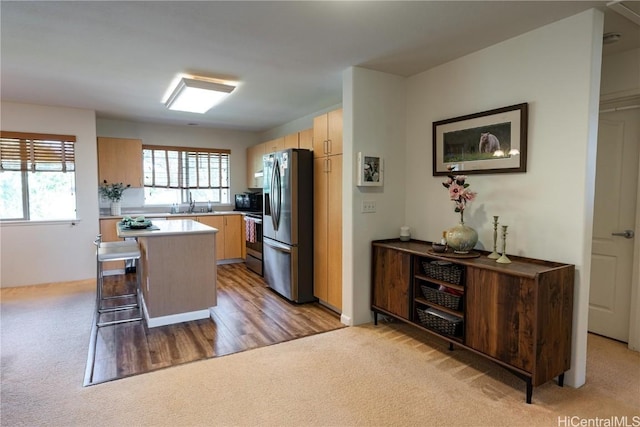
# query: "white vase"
116, 209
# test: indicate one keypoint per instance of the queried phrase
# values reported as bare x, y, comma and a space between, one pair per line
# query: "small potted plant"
113, 193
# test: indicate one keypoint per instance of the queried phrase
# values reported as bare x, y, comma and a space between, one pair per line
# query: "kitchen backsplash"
132, 202
131, 198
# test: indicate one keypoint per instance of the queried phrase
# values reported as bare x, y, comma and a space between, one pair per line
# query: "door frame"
634, 312
610, 105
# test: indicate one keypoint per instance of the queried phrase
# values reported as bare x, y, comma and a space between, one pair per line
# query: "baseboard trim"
346, 320
153, 322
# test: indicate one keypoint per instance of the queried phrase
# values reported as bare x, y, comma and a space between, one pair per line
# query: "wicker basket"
444, 299
442, 270
440, 322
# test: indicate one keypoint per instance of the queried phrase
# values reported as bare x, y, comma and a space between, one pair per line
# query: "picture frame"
370, 170
493, 141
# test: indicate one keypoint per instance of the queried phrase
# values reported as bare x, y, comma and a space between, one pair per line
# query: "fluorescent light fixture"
197, 96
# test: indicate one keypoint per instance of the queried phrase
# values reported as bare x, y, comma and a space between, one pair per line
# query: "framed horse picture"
493, 141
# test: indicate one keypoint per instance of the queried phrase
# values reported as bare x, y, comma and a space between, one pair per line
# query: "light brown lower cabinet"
518, 315
229, 236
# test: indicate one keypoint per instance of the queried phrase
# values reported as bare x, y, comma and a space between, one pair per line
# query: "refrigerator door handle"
277, 186
273, 196
277, 246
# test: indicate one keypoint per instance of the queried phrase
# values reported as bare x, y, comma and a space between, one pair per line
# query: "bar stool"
116, 251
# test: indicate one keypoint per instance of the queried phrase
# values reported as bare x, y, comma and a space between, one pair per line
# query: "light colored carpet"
388, 375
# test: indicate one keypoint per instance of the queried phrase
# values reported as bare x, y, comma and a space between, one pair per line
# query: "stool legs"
118, 308
116, 251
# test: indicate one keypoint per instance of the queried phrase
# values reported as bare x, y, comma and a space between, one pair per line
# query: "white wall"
556, 69
548, 209
49, 252
183, 136
374, 123
620, 75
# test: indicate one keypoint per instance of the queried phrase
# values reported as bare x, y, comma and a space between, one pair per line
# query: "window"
37, 176
178, 174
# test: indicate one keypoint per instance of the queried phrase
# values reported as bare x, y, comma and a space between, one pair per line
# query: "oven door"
253, 244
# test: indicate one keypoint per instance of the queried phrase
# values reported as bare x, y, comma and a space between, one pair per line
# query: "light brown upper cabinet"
291, 141
274, 145
305, 139
327, 134
254, 165
120, 160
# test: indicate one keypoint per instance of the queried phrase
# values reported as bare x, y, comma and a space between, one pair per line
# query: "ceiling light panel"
197, 96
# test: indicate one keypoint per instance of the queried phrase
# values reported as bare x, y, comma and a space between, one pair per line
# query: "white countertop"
169, 227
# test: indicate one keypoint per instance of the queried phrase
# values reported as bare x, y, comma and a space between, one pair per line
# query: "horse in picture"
488, 143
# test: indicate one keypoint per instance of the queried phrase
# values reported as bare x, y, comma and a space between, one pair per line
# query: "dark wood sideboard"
518, 315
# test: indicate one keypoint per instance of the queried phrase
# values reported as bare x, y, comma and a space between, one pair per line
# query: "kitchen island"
178, 270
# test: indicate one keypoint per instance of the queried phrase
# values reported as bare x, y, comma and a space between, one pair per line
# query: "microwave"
249, 202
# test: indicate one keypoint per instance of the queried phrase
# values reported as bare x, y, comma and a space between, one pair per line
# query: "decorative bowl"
437, 247
139, 224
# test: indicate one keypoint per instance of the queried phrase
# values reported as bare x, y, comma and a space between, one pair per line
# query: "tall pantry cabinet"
327, 152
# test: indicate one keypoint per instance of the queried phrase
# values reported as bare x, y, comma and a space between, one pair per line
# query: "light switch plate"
368, 206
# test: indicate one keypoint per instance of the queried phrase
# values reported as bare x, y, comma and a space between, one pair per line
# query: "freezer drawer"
283, 274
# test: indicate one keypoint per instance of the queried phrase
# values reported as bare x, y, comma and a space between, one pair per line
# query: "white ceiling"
118, 57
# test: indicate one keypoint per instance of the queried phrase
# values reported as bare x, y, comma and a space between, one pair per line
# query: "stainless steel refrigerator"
287, 225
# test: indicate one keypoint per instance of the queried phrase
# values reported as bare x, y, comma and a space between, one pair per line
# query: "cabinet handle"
328, 168
328, 146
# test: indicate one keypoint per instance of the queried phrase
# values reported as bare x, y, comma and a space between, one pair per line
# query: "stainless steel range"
253, 243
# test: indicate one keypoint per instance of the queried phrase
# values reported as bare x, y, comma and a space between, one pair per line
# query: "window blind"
184, 168
36, 152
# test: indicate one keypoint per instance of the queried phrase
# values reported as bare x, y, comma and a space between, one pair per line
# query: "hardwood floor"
248, 315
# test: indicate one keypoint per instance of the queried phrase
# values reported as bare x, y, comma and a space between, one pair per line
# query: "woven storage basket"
442, 270
436, 321
444, 299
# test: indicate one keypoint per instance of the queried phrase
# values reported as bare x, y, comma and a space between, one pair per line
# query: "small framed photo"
370, 170
488, 142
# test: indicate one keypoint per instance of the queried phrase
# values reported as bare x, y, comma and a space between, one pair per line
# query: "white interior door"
614, 214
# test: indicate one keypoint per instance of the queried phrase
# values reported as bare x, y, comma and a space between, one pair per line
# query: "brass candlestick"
495, 254
503, 258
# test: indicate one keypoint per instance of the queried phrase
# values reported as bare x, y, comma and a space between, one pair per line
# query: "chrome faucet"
192, 203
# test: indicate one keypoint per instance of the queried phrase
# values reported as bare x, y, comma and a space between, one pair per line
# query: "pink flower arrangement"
459, 191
